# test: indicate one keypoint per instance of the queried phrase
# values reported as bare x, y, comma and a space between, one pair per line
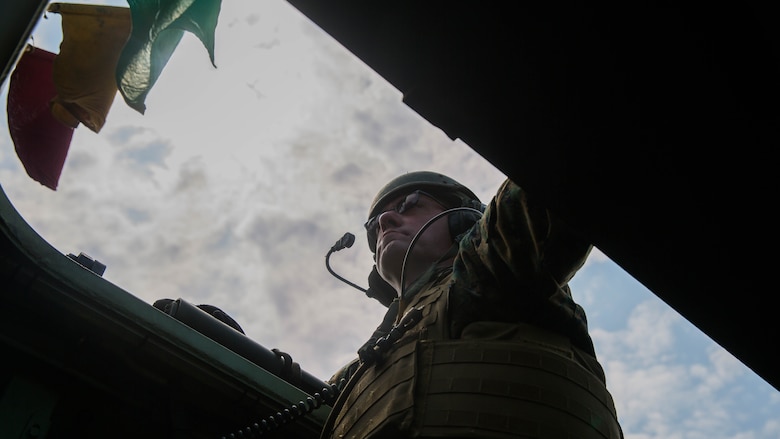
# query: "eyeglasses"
411, 200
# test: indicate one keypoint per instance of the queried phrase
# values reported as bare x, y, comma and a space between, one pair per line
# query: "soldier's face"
400, 221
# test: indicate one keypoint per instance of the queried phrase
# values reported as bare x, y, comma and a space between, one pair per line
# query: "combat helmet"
446, 190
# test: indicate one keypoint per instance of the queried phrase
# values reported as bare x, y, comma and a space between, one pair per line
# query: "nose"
388, 219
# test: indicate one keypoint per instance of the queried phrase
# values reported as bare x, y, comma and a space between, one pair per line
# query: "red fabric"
41, 141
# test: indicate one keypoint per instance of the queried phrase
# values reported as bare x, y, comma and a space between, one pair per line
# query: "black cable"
287, 415
327, 265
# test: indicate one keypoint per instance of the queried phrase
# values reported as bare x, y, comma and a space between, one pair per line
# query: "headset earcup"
462, 220
379, 289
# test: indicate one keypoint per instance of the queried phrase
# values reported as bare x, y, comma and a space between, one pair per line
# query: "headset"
464, 220
460, 220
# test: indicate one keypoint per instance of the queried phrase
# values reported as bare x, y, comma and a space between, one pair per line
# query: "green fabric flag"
158, 26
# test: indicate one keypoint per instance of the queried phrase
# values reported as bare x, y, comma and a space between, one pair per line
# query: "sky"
238, 179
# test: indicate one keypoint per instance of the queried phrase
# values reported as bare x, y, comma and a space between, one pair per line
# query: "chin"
393, 250
389, 261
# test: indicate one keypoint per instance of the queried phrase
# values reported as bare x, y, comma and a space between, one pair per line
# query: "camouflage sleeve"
517, 262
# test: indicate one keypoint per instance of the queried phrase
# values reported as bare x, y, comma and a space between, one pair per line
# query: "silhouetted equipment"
274, 361
83, 358
89, 263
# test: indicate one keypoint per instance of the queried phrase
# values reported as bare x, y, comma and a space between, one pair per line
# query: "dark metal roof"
649, 127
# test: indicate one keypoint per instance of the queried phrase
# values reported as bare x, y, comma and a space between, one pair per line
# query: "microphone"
377, 287
346, 241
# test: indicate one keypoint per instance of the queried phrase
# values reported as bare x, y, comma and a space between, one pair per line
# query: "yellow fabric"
92, 39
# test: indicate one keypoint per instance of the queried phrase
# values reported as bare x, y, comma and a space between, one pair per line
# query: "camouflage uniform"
500, 348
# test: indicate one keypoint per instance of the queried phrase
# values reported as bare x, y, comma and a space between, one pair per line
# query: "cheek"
439, 233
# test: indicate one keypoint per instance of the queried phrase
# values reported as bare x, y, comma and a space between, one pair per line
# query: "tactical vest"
498, 381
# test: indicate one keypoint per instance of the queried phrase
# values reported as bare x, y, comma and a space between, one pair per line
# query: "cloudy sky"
236, 182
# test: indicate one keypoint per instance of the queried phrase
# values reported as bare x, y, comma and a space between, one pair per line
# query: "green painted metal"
106, 352
25, 409
17, 20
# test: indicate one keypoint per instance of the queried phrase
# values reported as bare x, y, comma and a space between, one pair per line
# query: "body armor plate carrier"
499, 380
